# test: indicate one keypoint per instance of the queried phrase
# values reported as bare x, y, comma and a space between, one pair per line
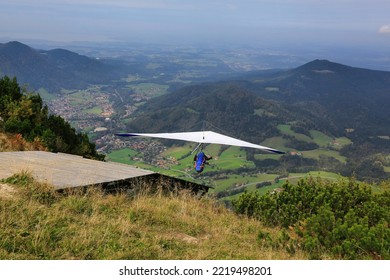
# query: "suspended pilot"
200, 160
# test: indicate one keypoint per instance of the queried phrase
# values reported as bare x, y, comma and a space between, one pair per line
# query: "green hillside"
327, 116
312, 219
37, 223
234, 170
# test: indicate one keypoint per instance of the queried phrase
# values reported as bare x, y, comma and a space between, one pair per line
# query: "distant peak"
16, 44
16, 48
321, 65
319, 62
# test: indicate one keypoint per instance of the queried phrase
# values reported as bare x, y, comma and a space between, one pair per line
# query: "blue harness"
199, 164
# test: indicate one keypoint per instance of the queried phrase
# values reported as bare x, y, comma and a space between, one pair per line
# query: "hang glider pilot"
202, 137
200, 160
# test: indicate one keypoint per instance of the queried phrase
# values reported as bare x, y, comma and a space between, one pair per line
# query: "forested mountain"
54, 69
228, 107
337, 100
347, 97
331, 97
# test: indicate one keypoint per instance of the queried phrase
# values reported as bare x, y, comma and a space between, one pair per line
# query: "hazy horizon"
172, 21
335, 27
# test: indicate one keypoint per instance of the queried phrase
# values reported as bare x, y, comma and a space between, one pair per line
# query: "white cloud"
385, 29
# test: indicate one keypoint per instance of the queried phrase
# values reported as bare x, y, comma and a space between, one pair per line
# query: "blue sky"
340, 22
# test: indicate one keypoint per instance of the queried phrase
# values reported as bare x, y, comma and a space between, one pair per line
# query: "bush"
344, 219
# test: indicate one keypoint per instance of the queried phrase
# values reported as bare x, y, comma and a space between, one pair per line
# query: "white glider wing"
207, 137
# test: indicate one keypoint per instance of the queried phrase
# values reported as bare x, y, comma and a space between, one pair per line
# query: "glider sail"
202, 137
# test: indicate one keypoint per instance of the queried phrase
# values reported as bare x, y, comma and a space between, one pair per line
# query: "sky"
271, 22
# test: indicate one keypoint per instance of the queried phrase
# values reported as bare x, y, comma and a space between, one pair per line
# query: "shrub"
344, 219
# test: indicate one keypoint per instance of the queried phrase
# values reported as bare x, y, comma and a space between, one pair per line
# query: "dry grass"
16, 142
6, 191
38, 223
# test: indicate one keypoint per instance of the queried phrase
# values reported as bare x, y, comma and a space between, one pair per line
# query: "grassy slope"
39, 224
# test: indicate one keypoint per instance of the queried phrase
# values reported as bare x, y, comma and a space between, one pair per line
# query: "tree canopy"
24, 113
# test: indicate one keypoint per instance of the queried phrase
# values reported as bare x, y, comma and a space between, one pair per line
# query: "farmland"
230, 172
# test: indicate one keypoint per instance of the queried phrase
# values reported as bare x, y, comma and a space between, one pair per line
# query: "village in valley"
93, 111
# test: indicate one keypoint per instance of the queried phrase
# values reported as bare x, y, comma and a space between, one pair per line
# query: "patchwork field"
229, 172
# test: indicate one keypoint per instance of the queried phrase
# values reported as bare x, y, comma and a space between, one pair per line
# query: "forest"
24, 114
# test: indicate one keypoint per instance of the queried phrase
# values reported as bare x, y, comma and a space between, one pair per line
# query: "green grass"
149, 89
286, 129
122, 156
232, 158
79, 98
341, 142
125, 156
295, 177
320, 138
250, 182
237, 180
277, 143
94, 111
315, 154
37, 223
316, 136
131, 78
178, 151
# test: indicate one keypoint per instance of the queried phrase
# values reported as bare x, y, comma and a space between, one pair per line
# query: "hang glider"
202, 137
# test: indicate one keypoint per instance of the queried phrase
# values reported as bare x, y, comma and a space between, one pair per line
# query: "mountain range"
353, 98
63, 69
334, 98
54, 69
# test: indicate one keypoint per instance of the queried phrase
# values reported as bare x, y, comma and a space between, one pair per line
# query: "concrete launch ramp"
69, 171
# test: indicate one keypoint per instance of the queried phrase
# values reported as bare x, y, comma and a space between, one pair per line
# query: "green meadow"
250, 182
94, 111
320, 138
315, 154
286, 129
149, 89
126, 155
222, 170
229, 170
123, 156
